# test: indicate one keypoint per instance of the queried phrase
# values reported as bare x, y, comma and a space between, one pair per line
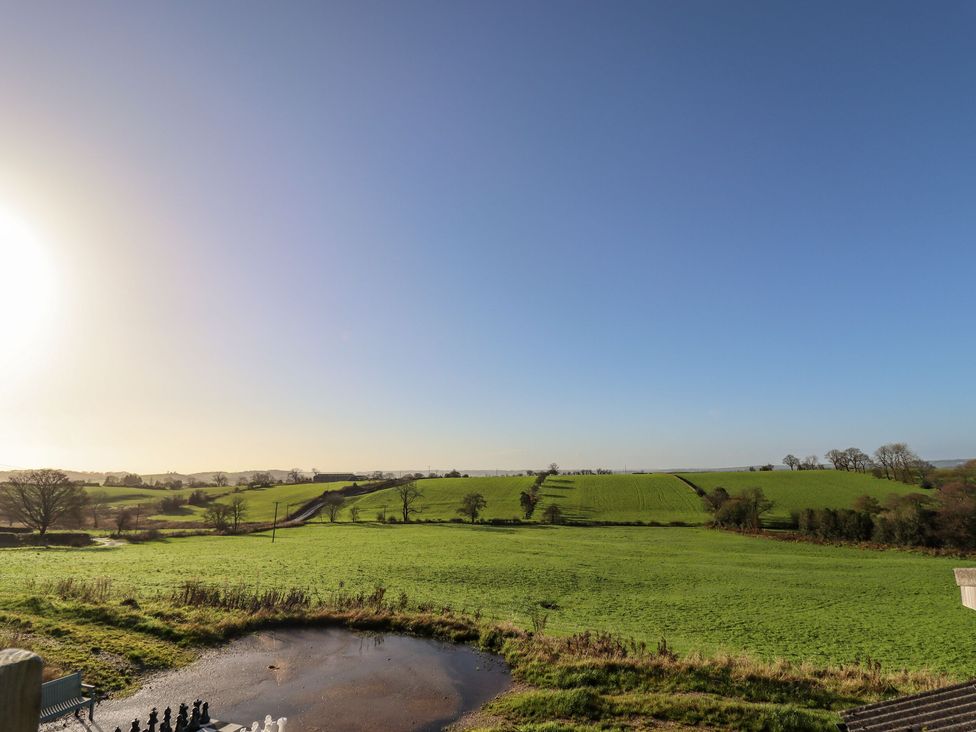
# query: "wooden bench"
65, 695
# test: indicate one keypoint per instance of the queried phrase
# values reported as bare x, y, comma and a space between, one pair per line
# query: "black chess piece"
184, 714
135, 726
153, 720
195, 717
205, 714
118, 729
180, 724
166, 726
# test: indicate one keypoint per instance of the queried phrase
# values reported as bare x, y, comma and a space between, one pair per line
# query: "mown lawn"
700, 589
795, 490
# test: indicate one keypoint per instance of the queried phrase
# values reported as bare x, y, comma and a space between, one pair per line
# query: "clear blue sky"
493, 234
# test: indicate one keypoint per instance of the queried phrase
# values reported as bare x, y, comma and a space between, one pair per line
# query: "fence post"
20, 690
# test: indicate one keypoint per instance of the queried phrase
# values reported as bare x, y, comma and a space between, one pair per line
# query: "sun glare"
26, 283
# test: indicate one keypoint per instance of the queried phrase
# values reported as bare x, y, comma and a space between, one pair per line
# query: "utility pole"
274, 525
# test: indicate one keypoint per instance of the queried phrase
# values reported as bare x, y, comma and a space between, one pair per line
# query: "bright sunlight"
26, 283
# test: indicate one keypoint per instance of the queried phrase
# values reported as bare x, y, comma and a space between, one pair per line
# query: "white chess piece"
255, 727
267, 723
282, 721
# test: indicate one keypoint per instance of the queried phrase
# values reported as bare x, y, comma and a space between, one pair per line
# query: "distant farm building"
335, 477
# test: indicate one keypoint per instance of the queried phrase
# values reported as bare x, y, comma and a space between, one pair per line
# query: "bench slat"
65, 695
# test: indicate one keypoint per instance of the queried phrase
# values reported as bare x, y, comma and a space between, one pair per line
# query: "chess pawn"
267, 723
205, 714
153, 719
255, 727
282, 721
135, 726
118, 729
166, 726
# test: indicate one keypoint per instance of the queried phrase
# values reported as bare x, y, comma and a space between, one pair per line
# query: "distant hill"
149, 478
233, 476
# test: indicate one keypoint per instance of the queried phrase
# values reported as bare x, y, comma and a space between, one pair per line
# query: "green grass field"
700, 589
260, 501
661, 498
795, 490
442, 496
123, 496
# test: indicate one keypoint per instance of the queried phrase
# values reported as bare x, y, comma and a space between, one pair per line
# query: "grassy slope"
661, 498
795, 490
442, 496
260, 501
700, 589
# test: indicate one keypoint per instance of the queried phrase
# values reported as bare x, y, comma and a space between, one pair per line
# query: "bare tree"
40, 498
354, 514
839, 459
553, 469
220, 479
409, 494
885, 458
262, 480
857, 459
792, 461
332, 503
217, 516
552, 514
138, 511
237, 512
123, 519
472, 505
295, 475
810, 462
97, 505
903, 462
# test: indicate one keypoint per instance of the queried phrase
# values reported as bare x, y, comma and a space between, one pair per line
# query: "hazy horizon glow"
484, 235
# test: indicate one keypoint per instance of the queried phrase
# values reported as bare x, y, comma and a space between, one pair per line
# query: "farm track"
311, 508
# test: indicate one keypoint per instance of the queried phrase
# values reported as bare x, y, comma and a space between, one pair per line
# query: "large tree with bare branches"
40, 498
409, 494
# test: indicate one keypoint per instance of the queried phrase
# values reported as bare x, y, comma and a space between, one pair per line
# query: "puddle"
323, 680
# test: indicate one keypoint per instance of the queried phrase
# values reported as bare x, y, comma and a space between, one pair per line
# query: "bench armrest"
90, 689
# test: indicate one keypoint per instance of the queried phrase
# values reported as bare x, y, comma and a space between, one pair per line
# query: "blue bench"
65, 695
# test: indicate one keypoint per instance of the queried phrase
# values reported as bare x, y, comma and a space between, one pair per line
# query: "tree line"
894, 460
946, 520
943, 516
